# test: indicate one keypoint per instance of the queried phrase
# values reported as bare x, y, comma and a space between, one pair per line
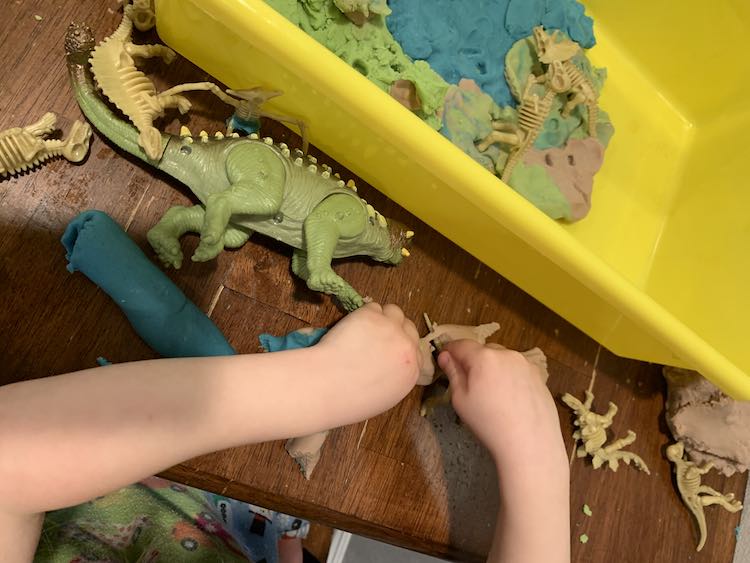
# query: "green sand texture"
463, 113
370, 49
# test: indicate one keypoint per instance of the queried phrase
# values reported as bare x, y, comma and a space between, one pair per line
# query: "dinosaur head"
77, 145
79, 40
551, 47
395, 240
675, 452
143, 14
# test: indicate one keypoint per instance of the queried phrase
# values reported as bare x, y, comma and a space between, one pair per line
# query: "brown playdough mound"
572, 169
713, 426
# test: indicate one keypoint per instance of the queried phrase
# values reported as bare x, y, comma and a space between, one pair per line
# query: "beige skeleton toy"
566, 76
532, 114
593, 433
22, 148
113, 66
694, 495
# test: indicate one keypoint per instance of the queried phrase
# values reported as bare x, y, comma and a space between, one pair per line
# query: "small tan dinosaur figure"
567, 77
134, 94
22, 148
694, 495
593, 433
532, 113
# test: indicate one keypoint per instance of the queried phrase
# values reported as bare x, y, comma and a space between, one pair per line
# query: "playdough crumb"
584, 538
38, 18
587, 510
737, 533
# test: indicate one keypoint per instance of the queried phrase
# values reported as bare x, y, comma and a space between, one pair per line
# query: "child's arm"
501, 397
69, 438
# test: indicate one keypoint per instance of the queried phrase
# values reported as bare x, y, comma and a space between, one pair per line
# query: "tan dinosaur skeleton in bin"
532, 113
23, 148
566, 76
561, 77
694, 495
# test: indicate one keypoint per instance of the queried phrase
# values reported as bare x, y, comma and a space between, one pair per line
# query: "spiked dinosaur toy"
245, 185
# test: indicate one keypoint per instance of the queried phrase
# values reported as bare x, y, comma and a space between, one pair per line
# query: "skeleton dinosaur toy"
113, 67
23, 148
532, 114
694, 495
245, 185
593, 433
569, 78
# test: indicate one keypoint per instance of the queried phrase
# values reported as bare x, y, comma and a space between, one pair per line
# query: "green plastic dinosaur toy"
245, 185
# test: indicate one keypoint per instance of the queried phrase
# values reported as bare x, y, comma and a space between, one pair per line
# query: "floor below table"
421, 483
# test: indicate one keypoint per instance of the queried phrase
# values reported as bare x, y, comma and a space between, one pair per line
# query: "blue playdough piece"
298, 339
158, 311
469, 38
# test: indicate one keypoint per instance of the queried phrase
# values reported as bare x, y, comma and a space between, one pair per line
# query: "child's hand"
502, 398
373, 352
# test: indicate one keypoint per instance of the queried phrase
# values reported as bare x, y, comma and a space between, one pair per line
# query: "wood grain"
420, 483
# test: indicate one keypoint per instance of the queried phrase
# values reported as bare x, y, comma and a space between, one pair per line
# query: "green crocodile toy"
246, 185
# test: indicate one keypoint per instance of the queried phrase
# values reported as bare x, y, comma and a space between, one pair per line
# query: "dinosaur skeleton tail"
700, 518
125, 29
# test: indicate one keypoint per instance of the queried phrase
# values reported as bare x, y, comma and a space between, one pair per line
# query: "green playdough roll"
159, 312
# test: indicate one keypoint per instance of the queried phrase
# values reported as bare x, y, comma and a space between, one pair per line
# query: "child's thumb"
452, 369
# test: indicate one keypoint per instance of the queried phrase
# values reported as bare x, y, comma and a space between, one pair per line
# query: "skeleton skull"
143, 14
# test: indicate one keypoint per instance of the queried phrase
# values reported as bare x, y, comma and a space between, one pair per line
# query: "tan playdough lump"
712, 426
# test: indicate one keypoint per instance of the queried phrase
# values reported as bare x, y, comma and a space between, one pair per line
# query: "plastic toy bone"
113, 66
439, 335
248, 105
567, 77
246, 185
23, 148
532, 114
593, 433
694, 495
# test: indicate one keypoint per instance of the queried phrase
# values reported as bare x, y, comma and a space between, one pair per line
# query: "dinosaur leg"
299, 264
572, 103
731, 505
150, 51
337, 216
497, 137
257, 178
43, 127
164, 237
235, 237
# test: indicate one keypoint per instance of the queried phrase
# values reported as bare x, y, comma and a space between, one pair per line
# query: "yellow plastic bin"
658, 270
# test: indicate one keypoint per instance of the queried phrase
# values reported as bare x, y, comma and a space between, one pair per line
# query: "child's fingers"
464, 352
372, 306
394, 312
411, 330
454, 371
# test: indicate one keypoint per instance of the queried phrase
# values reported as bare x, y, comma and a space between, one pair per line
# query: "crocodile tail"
79, 43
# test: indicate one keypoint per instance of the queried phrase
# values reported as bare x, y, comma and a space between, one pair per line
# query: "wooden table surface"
420, 483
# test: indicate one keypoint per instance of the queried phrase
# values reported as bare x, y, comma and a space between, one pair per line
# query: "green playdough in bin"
369, 48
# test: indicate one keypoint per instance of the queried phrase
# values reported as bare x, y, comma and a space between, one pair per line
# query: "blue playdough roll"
159, 312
